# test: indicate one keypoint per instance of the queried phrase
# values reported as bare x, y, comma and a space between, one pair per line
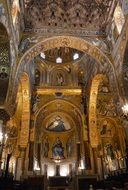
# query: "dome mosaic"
61, 55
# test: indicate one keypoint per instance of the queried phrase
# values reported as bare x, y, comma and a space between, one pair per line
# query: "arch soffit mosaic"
65, 41
58, 101
94, 136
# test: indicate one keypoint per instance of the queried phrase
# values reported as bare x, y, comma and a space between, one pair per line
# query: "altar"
59, 183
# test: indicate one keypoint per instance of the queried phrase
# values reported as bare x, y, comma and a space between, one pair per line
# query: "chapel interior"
63, 94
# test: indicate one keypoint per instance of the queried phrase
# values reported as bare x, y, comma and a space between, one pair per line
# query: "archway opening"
75, 91
57, 130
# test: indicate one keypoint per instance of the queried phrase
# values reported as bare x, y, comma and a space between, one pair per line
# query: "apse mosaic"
58, 148
58, 124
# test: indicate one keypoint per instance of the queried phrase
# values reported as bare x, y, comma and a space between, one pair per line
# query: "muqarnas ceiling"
89, 14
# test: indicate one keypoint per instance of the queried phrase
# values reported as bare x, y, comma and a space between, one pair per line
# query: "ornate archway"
72, 42
57, 119
65, 41
59, 105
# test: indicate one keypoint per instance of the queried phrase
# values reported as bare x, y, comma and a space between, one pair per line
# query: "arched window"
119, 18
15, 9
58, 60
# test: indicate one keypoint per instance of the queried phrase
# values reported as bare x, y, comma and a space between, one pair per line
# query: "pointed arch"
66, 41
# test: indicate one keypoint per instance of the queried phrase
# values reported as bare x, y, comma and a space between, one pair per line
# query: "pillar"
78, 156
31, 160
20, 165
87, 156
102, 165
7, 164
94, 151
